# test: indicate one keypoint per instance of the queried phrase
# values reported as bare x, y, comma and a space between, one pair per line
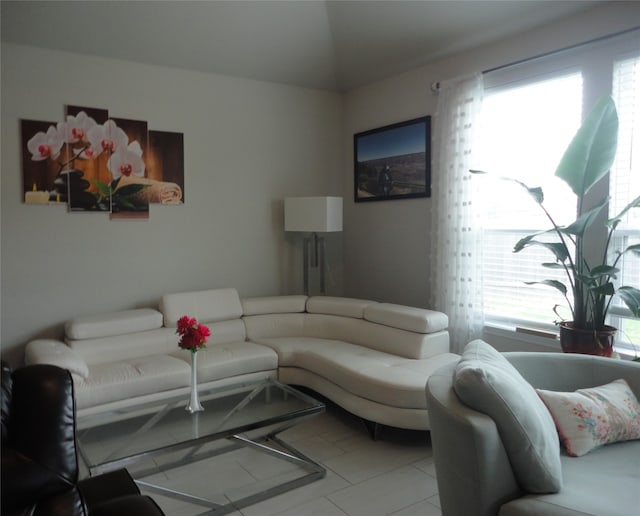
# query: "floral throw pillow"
588, 418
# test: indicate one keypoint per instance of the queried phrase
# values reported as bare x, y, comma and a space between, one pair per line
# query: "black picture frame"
393, 162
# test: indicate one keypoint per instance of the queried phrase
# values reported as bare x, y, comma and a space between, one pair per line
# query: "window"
524, 131
530, 113
625, 182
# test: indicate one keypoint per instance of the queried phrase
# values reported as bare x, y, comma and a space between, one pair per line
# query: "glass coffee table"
159, 436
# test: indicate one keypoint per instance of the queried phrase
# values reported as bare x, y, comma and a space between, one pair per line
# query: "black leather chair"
39, 459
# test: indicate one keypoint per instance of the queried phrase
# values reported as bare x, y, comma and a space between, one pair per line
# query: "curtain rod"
435, 86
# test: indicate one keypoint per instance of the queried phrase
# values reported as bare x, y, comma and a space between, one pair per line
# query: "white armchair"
475, 475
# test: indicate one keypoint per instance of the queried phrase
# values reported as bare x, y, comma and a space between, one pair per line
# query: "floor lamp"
313, 215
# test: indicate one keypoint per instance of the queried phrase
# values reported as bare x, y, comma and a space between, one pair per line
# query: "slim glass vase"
194, 402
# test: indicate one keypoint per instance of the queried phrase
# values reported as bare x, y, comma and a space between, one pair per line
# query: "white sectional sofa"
373, 359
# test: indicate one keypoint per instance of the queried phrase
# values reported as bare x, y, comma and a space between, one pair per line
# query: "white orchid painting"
93, 162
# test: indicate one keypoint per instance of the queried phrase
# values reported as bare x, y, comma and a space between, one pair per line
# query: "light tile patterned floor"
394, 475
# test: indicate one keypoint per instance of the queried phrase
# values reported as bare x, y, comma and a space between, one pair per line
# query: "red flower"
184, 323
193, 335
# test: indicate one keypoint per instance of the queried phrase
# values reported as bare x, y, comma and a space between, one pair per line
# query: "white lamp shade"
313, 214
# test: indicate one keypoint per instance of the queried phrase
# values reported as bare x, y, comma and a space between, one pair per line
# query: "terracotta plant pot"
587, 342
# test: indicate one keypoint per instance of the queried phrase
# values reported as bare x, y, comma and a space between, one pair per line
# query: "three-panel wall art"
93, 162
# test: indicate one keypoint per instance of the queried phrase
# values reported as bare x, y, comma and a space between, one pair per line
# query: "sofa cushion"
589, 418
221, 361
152, 342
487, 382
603, 482
273, 305
224, 332
125, 347
347, 307
125, 379
380, 337
406, 317
205, 305
114, 323
374, 375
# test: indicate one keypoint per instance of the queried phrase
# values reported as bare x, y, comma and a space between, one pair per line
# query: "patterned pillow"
589, 418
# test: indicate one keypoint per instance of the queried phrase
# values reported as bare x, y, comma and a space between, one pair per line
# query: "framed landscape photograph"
393, 162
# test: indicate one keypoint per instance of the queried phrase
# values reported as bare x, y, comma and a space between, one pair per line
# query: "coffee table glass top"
122, 437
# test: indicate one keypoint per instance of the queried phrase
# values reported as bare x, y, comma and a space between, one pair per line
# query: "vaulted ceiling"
335, 45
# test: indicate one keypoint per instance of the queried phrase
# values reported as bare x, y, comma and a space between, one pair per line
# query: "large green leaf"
123, 203
128, 190
550, 283
585, 220
558, 249
535, 192
615, 220
631, 297
603, 270
635, 249
104, 189
552, 265
525, 241
604, 290
592, 150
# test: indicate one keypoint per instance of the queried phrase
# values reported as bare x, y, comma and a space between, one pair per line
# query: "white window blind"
625, 184
532, 110
625, 173
525, 129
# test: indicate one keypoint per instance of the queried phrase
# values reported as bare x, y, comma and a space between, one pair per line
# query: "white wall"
386, 244
247, 145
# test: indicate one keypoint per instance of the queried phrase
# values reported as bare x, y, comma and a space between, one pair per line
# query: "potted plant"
585, 161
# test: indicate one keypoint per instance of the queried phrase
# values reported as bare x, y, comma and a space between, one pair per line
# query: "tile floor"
394, 475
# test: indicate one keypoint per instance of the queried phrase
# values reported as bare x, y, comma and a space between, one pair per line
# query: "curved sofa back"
100, 350
149, 342
396, 341
568, 372
136, 333
400, 330
562, 372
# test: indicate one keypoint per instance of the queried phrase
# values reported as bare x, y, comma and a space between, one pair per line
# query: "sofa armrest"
54, 352
473, 470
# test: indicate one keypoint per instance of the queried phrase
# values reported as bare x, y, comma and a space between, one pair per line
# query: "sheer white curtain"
455, 268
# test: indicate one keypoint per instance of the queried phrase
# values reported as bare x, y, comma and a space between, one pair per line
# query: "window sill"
525, 341
528, 341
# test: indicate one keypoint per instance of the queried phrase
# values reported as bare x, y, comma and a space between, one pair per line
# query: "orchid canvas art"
96, 163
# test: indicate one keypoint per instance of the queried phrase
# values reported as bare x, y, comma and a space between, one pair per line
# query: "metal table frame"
237, 437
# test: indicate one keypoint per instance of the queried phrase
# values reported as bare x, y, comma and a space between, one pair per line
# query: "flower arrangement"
87, 140
84, 139
193, 335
